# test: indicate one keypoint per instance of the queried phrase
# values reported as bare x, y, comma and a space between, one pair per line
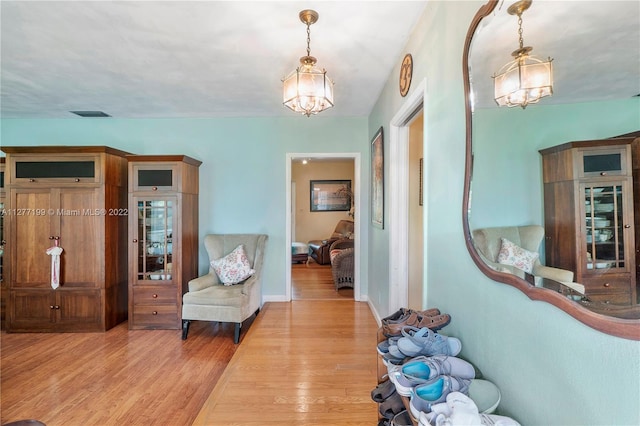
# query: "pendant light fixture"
526, 79
307, 89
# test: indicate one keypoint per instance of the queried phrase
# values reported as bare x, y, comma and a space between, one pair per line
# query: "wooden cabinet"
3, 282
163, 238
74, 197
589, 216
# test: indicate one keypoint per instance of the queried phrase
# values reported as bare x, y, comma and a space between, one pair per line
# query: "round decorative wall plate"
406, 72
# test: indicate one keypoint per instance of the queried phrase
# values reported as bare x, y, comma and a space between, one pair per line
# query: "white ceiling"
192, 58
135, 59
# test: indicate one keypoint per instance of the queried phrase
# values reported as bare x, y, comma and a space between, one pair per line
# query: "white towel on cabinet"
55, 253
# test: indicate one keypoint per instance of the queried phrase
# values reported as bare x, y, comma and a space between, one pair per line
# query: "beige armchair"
209, 300
487, 242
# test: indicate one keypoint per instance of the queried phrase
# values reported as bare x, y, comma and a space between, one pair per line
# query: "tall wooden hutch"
76, 198
589, 216
163, 237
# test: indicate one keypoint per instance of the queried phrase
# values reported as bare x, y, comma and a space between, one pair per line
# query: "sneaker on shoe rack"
435, 391
424, 341
422, 369
461, 409
383, 347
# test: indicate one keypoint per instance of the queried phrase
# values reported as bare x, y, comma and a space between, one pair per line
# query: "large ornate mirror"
595, 48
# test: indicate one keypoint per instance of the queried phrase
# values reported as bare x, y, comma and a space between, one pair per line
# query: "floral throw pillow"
234, 267
511, 254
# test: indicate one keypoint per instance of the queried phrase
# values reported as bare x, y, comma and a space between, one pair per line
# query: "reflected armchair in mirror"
514, 249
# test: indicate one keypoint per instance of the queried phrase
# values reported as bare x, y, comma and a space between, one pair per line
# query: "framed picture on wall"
330, 195
377, 180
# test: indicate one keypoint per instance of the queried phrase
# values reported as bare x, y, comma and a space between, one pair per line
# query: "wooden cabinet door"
29, 217
78, 310
31, 310
80, 226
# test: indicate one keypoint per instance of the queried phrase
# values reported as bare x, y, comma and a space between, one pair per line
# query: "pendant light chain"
520, 30
308, 39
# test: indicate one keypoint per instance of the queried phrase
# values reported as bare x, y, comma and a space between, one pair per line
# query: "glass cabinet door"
604, 220
155, 235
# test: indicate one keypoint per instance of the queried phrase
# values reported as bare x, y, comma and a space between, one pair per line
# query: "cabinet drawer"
612, 298
154, 295
607, 285
156, 316
156, 177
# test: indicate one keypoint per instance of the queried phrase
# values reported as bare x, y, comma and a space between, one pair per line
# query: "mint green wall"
550, 368
507, 167
242, 176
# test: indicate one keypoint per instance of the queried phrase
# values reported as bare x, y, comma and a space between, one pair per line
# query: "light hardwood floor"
311, 361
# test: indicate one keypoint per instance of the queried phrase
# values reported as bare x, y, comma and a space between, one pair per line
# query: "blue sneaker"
435, 391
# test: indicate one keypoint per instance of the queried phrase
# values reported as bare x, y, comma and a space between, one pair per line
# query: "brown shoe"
394, 327
435, 323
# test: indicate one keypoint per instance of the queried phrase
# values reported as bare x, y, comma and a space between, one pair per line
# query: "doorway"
303, 198
399, 201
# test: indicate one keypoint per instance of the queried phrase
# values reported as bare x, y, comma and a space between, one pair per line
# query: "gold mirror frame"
625, 328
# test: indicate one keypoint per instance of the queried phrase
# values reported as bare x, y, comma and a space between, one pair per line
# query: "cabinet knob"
603, 173
135, 240
627, 226
155, 188
607, 285
3, 242
155, 296
51, 307
77, 180
32, 180
155, 312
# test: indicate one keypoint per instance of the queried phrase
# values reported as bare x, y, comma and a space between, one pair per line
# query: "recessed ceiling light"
90, 114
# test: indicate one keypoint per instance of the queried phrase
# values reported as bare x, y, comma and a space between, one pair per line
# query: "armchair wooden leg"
185, 329
236, 336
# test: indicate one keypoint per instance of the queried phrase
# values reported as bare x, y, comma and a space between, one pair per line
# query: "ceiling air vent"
90, 114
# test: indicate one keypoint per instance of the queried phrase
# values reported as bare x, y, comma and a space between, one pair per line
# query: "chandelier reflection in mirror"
526, 79
307, 89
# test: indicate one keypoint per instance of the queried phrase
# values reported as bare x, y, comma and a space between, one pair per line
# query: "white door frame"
399, 197
356, 156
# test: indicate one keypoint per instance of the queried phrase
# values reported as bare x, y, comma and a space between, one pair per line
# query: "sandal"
383, 391
391, 406
435, 322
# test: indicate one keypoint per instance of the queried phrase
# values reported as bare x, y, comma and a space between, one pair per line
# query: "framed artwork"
377, 179
330, 195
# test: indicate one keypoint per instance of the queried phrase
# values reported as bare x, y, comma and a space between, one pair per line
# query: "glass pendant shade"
308, 90
524, 81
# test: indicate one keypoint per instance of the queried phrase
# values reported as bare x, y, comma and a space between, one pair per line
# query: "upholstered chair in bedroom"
232, 290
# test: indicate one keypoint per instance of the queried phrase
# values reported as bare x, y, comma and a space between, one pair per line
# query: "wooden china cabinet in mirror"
163, 237
589, 211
